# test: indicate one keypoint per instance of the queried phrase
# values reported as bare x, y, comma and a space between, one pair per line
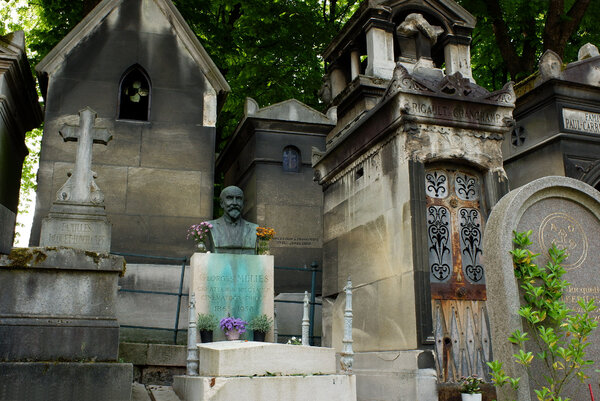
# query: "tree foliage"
511, 35
267, 50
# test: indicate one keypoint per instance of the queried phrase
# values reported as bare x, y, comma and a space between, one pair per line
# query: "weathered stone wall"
367, 235
157, 174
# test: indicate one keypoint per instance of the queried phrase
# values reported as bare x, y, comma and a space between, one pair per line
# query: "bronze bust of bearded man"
230, 233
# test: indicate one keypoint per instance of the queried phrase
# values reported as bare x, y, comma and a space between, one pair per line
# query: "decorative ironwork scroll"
436, 184
454, 234
439, 241
466, 187
470, 244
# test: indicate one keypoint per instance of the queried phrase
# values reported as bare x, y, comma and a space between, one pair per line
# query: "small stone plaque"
581, 121
76, 226
233, 284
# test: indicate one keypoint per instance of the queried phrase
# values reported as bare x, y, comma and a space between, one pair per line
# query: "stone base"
395, 376
248, 358
266, 388
58, 304
26, 381
76, 225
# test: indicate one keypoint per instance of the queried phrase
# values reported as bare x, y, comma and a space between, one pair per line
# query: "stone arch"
291, 159
134, 98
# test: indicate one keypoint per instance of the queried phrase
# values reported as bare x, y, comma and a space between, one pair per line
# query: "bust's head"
232, 202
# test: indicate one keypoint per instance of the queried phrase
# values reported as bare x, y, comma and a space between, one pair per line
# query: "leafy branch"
559, 333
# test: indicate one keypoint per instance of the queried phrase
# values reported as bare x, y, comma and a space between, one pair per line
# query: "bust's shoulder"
249, 225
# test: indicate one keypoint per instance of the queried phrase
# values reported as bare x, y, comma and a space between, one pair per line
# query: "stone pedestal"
59, 334
264, 371
238, 285
76, 225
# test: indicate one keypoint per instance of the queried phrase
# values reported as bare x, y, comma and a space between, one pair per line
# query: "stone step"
140, 392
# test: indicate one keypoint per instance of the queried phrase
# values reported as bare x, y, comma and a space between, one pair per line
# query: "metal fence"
179, 294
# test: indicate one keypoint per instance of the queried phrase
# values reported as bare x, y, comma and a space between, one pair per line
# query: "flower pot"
259, 336
206, 336
263, 247
201, 247
470, 397
232, 335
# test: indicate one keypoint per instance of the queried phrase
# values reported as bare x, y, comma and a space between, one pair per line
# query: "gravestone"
558, 210
236, 285
77, 217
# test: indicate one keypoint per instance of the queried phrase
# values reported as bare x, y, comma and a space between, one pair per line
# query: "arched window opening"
291, 159
134, 95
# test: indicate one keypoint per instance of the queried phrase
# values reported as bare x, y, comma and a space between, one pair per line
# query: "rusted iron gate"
180, 294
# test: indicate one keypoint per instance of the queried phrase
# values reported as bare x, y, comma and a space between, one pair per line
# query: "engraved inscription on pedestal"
233, 284
93, 235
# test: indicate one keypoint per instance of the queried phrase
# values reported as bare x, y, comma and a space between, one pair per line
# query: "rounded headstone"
558, 210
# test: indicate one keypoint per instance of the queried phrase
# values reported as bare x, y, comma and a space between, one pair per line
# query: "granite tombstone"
558, 210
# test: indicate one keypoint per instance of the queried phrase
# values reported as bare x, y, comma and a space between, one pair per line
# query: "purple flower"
230, 323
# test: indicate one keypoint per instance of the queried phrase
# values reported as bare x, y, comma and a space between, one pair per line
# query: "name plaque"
240, 286
581, 121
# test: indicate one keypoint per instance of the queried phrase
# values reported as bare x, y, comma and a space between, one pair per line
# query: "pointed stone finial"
587, 51
550, 65
250, 107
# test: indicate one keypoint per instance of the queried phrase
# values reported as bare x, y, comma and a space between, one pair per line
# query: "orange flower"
265, 233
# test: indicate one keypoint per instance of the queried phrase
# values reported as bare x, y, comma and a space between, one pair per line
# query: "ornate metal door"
454, 234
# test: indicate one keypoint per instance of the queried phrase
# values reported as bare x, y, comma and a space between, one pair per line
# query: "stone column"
305, 321
354, 64
380, 48
457, 54
338, 81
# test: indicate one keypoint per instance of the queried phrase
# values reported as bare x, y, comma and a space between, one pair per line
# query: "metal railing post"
313, 284
179, 301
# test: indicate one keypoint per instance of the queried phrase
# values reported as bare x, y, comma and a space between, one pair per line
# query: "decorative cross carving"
80, 186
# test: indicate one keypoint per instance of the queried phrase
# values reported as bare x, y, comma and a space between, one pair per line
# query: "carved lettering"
459, 113
582, 121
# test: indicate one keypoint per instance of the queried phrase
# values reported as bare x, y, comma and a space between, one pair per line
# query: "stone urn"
470, 397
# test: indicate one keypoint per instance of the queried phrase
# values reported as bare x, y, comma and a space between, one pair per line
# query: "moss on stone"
94, 255
24, 257
122, 274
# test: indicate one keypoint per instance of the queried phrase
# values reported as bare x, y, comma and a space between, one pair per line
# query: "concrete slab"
248, 358
139, 392
163, 393
267, 388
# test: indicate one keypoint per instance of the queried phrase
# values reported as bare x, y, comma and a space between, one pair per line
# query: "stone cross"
81, 187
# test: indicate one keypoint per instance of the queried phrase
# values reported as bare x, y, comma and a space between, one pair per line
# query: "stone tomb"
558, 210
238, 285
59, 335
263, 371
